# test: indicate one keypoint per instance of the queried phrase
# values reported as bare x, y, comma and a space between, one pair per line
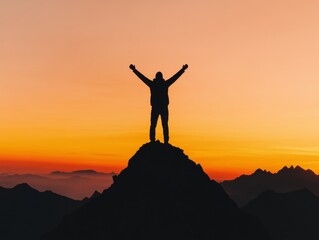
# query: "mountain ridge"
287, 216
27, 213
82, 172
245, 188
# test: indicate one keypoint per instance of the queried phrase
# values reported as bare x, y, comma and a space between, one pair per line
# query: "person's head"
159, 76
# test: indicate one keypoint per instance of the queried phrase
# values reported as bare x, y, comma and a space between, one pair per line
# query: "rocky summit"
162, 194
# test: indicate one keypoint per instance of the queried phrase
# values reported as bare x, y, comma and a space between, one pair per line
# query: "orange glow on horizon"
248, 100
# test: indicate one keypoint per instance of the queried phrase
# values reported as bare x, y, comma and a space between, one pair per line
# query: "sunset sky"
249, 99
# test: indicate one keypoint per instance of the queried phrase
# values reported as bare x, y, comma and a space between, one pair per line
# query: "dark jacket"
159, 88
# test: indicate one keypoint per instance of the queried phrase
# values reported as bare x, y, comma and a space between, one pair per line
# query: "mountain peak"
162, 161
86, 171
295, 171
161, 194
260, 172
24, 187
286, 170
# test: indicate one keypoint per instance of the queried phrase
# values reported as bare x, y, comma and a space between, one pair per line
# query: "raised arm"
140, 75
177, 75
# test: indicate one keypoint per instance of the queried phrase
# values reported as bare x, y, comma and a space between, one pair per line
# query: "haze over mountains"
77, 184
247, 187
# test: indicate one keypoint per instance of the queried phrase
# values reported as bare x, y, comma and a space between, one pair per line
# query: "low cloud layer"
76, 185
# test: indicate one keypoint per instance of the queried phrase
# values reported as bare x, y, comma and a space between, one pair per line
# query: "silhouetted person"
159, 98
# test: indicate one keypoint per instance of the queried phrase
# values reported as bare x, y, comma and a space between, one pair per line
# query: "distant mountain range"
83, 172
77, 184
26, 213
160, 195
287, 216
246, 187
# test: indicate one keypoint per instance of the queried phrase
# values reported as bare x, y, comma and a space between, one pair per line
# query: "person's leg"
164, 118
154, 117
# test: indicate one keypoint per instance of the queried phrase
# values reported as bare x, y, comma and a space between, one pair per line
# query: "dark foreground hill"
26, 213
160, 195
246, 187
288, 216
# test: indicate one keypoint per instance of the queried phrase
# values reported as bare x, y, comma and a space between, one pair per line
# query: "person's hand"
185, 67
132, 67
